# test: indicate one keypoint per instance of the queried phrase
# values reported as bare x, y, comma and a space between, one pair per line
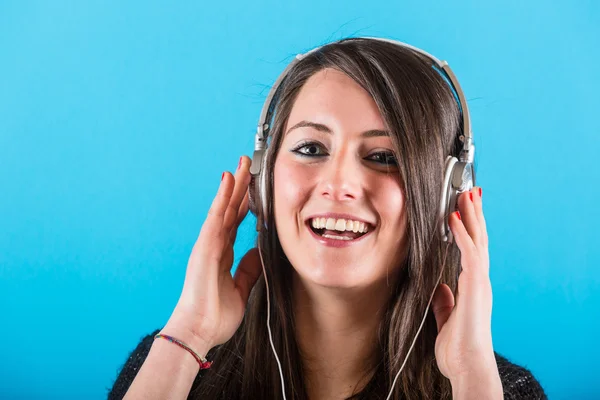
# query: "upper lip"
340, 216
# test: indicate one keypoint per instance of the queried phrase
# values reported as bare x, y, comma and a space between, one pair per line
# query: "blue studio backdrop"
117, 119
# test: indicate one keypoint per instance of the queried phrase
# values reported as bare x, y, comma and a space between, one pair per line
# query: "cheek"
391, 202
394, 199
292, 182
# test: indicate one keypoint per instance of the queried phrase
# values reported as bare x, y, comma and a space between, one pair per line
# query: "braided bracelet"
204, 363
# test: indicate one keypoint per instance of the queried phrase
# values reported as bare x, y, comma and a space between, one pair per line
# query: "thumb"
247, 273
443, 304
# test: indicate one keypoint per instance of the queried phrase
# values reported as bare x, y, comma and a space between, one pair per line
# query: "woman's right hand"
212, 302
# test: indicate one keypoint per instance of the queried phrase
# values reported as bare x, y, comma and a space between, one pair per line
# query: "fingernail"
458, 215
239, 163
222, 175
479, 192
471, 196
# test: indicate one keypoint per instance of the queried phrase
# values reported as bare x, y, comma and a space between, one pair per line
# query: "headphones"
459, 175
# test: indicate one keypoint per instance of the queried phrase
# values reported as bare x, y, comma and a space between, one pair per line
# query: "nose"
341, 178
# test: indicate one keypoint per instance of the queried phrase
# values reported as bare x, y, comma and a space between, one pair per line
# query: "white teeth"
337, 237
349, 224
339, 225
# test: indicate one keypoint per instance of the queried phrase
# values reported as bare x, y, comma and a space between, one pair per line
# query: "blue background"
117, 119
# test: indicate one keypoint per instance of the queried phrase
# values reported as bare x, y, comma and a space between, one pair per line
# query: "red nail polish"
239, 163
471, 196
479, 192
222, 175
458, 215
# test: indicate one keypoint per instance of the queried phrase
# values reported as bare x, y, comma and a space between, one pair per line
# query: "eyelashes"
386, 158
304, 145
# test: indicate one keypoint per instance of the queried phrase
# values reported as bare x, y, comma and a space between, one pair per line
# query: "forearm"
484, 386
168, 372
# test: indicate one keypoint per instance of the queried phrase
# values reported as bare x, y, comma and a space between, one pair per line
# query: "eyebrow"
324, 128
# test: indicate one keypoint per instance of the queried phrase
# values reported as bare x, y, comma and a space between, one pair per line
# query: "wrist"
484, 384
200, 345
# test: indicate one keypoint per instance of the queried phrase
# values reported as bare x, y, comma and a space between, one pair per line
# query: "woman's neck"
336, 331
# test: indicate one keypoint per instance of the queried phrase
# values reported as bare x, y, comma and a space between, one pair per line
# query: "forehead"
333, 98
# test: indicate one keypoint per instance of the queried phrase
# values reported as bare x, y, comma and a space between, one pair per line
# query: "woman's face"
335, 158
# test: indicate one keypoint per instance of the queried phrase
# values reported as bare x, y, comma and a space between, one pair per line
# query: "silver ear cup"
257, 191
253, 198
448, 199
262, 190
462, 177
458, 178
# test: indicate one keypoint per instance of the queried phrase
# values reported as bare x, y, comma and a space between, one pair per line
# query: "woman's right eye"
310, 149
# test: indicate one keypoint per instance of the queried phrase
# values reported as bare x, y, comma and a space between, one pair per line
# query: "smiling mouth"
337, 235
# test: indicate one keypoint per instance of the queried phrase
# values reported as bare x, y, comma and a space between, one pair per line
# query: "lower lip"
336, 242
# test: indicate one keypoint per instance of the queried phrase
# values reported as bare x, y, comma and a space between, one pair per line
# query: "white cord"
269, 324
271, 335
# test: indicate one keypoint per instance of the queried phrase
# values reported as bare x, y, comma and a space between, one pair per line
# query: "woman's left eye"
312, 149
384, 157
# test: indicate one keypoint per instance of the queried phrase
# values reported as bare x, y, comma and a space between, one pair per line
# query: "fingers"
468, 251
225, 209
243, 211
242, 180
470, 231
466, 206
478, 203
213, 227
247, 273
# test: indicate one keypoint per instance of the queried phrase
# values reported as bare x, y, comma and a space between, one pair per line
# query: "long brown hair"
420, 111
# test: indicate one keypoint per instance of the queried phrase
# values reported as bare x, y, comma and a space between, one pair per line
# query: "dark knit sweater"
517, 381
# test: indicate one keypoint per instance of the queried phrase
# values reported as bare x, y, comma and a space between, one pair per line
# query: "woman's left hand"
463, 347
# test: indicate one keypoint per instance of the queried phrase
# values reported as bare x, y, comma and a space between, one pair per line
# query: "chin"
335, 274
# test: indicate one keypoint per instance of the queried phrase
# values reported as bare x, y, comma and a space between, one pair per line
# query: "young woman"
349, 240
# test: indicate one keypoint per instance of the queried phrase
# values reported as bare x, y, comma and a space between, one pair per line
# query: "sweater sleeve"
132, 365
518, 383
